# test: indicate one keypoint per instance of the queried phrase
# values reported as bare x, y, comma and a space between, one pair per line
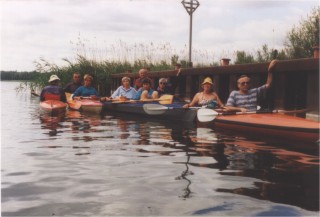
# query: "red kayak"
53, 106
86, 105
89, 105
271, 125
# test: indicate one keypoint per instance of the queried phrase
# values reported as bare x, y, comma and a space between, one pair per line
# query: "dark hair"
146, 81
243, 76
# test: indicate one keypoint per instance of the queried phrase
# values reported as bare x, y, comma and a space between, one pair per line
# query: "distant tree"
266, 55
243, 57
174, 59
302, 38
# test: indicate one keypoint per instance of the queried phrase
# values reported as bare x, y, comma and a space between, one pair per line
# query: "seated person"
146, 92
163, 87
53, 91
86, 90
74, 85
124, 92
143, 73
245, 99
207, 97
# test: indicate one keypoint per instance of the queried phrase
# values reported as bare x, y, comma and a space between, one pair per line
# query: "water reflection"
282, 174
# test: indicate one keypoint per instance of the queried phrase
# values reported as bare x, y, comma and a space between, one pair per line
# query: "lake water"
88, 165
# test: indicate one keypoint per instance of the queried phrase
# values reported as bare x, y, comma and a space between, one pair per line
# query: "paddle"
206, 115
155, 109
73, 104
165, 99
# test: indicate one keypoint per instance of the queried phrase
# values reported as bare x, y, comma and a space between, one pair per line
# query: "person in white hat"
53, 91
207, 97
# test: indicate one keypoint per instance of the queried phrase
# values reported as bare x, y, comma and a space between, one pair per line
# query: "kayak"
89, 105
86, 105
53, 106
171, 112
271, 125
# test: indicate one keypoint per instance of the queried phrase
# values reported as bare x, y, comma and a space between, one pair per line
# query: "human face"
146, 86
126, 83
207, 87
143, 73
76, 78
162, 84
87, 82
244, 84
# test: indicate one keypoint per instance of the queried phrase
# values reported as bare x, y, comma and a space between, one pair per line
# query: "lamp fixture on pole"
190, 6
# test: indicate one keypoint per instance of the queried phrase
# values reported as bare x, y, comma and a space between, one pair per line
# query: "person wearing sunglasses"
245, 99
163, 87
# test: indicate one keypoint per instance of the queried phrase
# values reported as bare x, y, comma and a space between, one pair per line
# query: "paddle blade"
68, 96
206, 115
166, 99
74, 104
154, 109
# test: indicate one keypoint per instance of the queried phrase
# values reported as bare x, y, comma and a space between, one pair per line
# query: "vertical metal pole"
190, 7
190, 38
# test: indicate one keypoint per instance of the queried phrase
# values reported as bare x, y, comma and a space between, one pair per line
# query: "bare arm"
219, 101
271, 70
194, 101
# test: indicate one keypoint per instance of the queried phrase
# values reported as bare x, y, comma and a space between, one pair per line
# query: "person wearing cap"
53, 91
146, 92
74, 85
125, 91
86, 90
207, 97
245, 99
163, 87
143, 73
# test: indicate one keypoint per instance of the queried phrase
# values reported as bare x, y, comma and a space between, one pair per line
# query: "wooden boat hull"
179, 114
274, 125
92, 106
53, 106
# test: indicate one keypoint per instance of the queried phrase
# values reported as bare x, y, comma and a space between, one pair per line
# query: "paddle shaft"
263, 112
205, 115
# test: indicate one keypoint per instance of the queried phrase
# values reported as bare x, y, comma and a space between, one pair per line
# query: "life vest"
50, 96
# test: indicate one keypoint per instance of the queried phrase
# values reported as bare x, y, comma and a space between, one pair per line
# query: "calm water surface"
87, 165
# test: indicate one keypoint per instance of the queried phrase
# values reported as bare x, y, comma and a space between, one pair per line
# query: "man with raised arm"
245, 99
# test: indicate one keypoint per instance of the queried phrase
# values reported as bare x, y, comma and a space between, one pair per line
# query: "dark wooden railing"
295, 82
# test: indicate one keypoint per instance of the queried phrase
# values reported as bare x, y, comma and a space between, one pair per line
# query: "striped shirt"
247, 101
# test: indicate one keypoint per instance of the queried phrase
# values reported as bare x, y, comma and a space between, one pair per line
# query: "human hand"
272, 66
243, 110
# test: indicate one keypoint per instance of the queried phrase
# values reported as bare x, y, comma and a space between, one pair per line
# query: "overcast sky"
127, 29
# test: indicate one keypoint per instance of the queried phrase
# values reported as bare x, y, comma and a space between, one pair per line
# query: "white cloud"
50, 28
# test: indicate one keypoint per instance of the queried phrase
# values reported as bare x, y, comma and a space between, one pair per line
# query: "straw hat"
54, 78
207, 80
